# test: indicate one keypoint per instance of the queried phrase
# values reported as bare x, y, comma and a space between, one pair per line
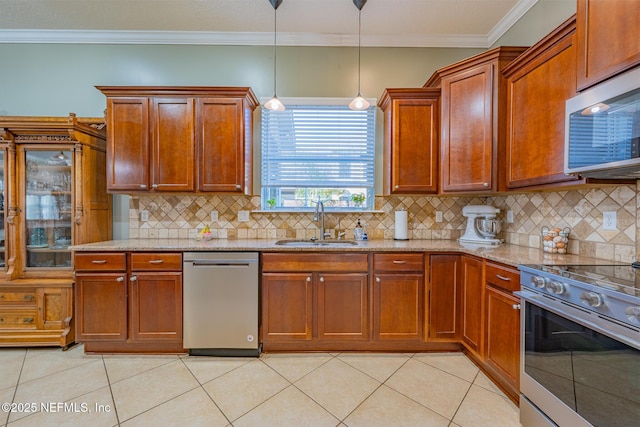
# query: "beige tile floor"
49, 387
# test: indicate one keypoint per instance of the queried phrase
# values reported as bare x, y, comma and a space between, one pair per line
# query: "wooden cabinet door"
128, 139
342, 303
101, 307
538, 85
471, 310
608, 41
223, 155
467, 130
503, 334
398, 306
156, 306
287, 306
444, 297
55, 308
173, 156
411, 140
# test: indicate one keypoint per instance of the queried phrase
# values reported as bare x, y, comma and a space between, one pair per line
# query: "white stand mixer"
482, 225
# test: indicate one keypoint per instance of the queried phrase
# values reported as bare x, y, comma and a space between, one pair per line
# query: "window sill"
327, 211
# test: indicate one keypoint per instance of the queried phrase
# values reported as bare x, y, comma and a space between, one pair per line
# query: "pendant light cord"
359, 18
275, 49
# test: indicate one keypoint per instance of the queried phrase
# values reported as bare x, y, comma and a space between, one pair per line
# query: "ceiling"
388, 23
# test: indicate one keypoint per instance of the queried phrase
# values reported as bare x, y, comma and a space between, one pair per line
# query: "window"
318, 151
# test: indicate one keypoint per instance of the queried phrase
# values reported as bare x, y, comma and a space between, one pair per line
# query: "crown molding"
517, 12
236, 38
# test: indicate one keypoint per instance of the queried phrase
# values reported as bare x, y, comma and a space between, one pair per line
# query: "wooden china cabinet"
52, 175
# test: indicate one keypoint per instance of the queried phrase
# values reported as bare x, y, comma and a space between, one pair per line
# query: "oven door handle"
579, 316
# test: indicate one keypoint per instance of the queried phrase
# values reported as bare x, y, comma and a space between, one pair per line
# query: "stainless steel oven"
580, 346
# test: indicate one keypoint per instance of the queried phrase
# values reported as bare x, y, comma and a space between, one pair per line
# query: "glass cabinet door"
48, 208
2, 211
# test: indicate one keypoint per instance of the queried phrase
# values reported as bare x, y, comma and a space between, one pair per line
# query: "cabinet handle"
154, 186
378, 279
308, 279
156, 261
99, 261
143, 186
120, 279
28, 298
133, 278
516, 306
501, 277
27, 320
399, 261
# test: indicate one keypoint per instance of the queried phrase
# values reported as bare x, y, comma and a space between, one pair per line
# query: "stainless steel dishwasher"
220, 294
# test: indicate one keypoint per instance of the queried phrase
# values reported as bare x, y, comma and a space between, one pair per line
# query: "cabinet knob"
322, 279
143, 186
309, 279
120, 279
133, 278
485, 184
378, 279
397, 187
154, 186
516, 306
238, 187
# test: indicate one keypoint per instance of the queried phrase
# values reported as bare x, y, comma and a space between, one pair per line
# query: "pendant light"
274, 103
359, 103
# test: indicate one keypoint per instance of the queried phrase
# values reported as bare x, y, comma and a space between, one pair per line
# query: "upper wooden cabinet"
473, 121
538, 84
179, 139
607, 39
411, 127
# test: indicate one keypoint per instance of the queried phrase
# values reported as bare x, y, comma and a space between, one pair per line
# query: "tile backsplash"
180, 216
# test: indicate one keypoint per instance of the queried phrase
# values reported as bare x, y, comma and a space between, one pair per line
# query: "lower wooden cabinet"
36, 313
472, 291
129, 302
398, 296
502, 330
444, 297
311, 298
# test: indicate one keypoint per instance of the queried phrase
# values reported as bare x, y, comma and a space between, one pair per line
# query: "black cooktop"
624, 278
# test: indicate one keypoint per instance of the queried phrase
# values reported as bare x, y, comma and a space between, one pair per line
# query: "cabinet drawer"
502, 277
18, 319
150, 261
101, 261
398, 262
308, 262
18, 297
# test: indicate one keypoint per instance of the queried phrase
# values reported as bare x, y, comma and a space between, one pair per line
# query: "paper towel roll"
401, 226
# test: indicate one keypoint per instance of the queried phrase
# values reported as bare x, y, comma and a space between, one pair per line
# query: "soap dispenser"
358, 232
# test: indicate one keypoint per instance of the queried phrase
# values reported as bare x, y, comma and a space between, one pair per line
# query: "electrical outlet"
510, 216
438, 216
144, 216
243, 216
214, 216
609, 220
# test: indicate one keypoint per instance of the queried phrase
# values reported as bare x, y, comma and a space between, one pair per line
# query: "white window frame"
343, 203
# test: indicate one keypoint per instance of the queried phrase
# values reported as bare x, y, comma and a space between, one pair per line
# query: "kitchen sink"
315, 243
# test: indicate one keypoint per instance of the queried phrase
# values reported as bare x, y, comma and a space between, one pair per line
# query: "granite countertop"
507, 254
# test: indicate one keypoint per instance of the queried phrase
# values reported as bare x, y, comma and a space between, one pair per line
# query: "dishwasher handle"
221, 262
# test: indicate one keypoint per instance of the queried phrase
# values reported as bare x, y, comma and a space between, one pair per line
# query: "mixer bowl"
488, 227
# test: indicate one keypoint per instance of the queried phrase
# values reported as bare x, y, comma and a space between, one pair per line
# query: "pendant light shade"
274, 103
359, 103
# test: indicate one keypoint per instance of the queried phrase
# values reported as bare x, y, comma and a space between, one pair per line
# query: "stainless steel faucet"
319, 215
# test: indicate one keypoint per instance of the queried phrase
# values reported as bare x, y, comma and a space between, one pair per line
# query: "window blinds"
318, 146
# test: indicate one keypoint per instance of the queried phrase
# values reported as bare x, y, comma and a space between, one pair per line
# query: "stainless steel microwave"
602, 129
